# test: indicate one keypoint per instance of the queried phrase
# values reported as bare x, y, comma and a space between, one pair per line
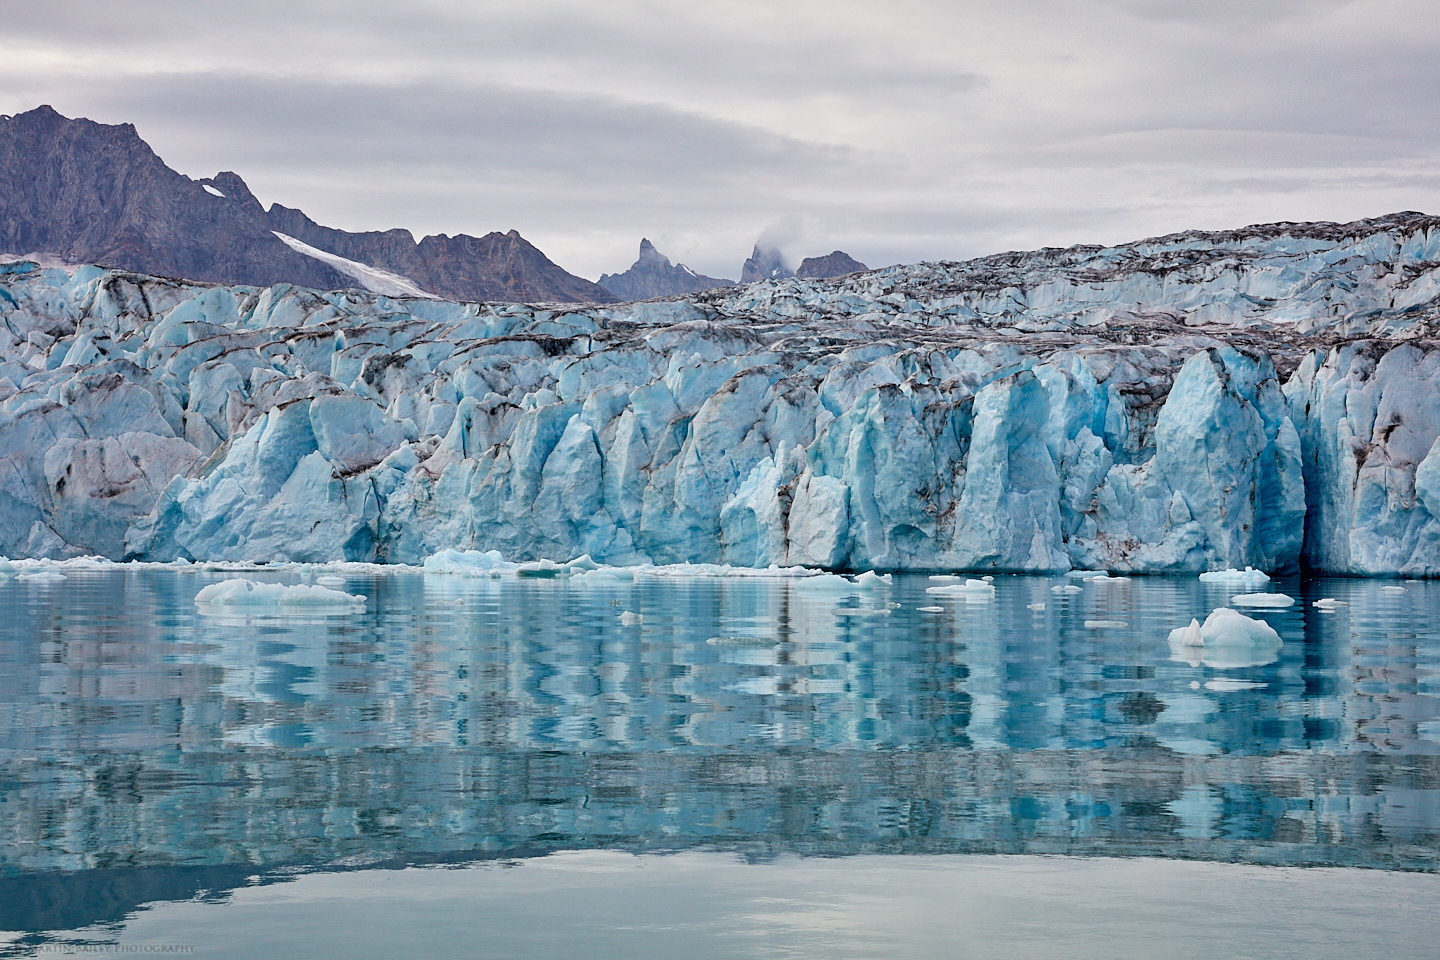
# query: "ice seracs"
1203, 402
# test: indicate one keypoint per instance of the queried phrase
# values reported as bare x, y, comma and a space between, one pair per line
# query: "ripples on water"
148, 752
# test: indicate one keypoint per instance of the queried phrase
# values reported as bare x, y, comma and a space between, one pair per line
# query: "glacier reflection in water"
149, 752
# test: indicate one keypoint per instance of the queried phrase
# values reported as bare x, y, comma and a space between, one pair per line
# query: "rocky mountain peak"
765, 263
837, 263
653, 275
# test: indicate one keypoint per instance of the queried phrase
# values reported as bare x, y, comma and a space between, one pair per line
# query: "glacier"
1265, 397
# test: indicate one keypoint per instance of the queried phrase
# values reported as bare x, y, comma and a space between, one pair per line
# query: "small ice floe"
825, 583
988, 579
7, 568
1066, 588
1226, 639
630, 618
1261, 600
1329, 603
1231, 684
1103, 578
469, 563
930, 609
1035, 606
248, 593
871, 580
1392, 589
1087, 574
970, 590
330, 580
41, 576
1249, 577
1105, 624
945, 578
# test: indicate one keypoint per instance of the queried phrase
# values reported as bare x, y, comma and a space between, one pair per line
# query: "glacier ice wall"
1264, 397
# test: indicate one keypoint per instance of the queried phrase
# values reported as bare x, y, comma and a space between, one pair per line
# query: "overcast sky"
897, 131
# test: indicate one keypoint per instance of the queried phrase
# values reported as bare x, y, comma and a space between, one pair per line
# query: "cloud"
902, 131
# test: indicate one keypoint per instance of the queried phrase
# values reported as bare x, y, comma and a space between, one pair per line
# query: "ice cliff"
1264, 397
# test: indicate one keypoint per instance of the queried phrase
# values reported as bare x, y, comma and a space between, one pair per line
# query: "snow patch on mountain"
371, 278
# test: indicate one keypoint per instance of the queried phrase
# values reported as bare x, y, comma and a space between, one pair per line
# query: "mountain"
96, 193
1266, 396
765, 263
653, 275
834, 264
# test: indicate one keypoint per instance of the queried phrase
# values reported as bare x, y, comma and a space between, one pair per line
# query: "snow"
249, 593
371, 278
214, 192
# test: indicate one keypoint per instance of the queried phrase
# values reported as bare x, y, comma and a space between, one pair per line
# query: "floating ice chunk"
7, 568
330, 580
1106, 579
1249, 577
1066, 588
871, 579
629, 618
988, 579
1105, 624
825, 583
1035, 606
240, 592
931, 609
969, 590
1087, 574
1329, 603
1392, 589
1231, 684
602, 576
41, 576
1261, 600
469, 563
945, 578
1225, 640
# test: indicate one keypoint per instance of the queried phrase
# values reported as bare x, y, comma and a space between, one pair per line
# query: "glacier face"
1265, 397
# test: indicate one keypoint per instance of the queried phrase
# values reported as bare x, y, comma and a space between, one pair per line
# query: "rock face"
95, 193
1262, 397
653, 275
765, 263
834, 264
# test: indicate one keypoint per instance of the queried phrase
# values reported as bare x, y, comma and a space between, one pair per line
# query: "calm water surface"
170, 777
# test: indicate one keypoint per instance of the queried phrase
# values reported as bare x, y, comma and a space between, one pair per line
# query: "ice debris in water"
1392, 589
41, 576
1035, 606
241, 592
1261, 600
1231, 684
630, 618
1226, 639
931, 609
969, 590
1249, 577
1066, 588
1330, 603
826, 583
872, 579
330, 580
469, 563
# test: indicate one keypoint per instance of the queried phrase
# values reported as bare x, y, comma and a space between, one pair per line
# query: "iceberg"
1262, 600
1249, 577
1205, 402
1227, 639
969, 590
249, 593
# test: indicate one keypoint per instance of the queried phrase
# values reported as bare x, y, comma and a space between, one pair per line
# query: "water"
173, 777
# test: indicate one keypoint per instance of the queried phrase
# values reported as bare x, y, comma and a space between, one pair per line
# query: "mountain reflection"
148, 752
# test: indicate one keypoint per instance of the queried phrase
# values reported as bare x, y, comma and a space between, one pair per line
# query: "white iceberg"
969, 590
1249, 577
41, 576
1329, 603
249, 593
1262, 600
469, 563
1227, 639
